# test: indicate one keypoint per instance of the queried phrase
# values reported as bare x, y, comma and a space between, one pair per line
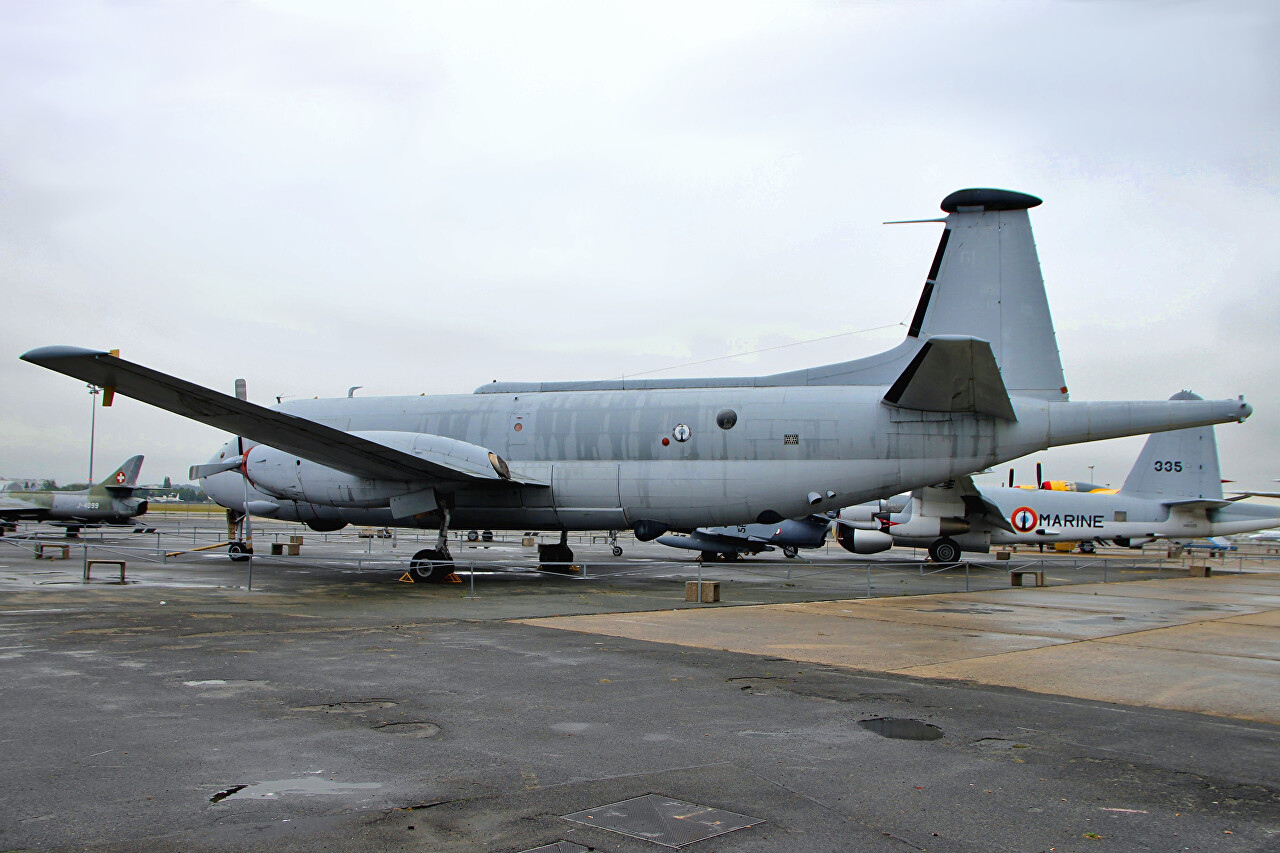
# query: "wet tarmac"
334, 708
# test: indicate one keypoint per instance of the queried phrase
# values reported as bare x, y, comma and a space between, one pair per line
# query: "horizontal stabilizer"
952, 373
1196, 503
308, 439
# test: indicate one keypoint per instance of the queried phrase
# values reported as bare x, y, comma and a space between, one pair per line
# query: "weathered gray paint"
593, 454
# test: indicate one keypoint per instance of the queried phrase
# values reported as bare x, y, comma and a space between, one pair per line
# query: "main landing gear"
435, 565
241, 546
558, 557
944, 550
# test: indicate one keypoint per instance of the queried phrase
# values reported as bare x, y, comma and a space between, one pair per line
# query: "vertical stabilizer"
985, 282
1182, 464
126, 476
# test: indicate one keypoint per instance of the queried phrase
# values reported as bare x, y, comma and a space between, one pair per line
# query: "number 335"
1169, 466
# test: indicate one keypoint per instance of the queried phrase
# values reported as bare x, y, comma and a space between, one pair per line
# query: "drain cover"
662, 820
559, 847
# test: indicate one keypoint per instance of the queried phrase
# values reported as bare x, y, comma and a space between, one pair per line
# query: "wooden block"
710, 591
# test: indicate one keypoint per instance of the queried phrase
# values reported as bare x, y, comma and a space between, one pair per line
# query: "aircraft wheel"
238, 552
944, 551
1087, 548
617, 551
789, 552
708, 557
473, 536
430, 566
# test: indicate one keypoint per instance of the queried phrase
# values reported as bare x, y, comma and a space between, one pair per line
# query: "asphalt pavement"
332, 707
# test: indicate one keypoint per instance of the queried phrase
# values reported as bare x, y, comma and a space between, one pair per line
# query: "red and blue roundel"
1024, 519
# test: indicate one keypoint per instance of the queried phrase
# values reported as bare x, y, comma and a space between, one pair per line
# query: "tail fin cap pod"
979, 199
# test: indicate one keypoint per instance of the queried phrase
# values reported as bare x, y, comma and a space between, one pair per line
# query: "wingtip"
40, 355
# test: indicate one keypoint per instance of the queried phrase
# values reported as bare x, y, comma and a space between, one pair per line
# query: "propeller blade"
199, 472
1039, 476
1011, 478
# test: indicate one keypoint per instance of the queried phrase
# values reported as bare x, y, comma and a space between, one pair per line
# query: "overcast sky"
423, 197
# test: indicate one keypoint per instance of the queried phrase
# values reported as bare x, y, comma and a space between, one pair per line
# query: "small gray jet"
1174, 491
977, 381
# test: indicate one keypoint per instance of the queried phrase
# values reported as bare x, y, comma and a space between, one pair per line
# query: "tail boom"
1074, 423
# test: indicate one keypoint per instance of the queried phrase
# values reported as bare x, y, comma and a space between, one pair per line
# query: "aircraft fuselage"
613, 458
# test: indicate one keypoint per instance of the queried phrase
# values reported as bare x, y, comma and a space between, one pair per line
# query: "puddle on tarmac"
357, 707
900, 729
306, 785
410, 728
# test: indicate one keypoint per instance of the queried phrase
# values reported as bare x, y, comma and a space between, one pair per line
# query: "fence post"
84, 546
966, 577
868, 580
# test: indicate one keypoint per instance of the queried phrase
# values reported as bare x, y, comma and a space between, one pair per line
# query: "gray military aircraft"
977, 381
730, 543
111, 501
1173, 491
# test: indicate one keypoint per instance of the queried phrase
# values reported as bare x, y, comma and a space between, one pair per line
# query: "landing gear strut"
558, 557
613, 540
434, 565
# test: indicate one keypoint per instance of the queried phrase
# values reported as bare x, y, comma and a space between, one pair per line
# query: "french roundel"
1024, 519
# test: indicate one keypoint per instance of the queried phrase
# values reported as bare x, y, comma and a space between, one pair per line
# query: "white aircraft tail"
1177, 465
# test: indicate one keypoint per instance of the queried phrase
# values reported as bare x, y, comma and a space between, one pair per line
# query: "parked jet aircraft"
1174, 491
729, 543
977, 381
111, 501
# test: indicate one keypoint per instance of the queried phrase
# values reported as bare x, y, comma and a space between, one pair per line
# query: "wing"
308, 439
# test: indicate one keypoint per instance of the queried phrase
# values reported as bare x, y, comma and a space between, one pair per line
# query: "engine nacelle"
862, 516
289, 477
863, 541
926, 526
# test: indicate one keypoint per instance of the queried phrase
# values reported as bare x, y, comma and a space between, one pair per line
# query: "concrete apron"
1207, 645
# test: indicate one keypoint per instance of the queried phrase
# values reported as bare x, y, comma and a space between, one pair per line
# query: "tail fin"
1176, 465
126, 476
985, 282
